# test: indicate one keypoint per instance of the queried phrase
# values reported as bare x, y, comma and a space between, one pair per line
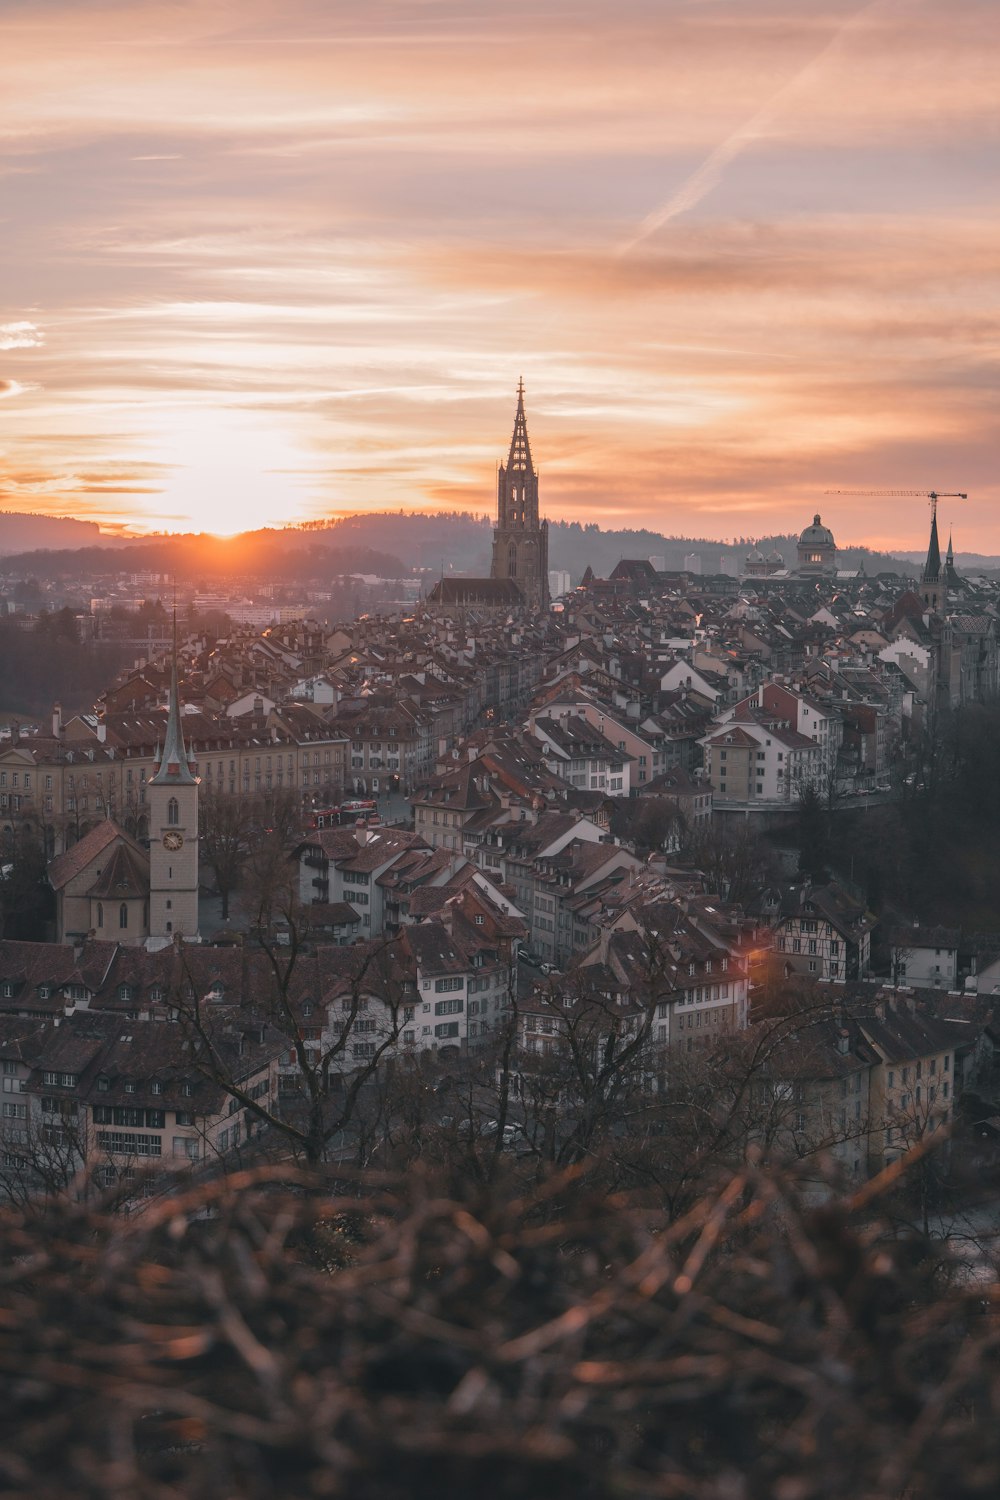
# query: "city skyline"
267, 263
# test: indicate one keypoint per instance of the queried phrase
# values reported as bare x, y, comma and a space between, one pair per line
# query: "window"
68, 1080
129, 1144
173, 811
448, 1007
100, 913
446, 1029
123, 915
442, 985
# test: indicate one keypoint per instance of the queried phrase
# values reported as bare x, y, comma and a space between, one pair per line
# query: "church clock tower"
172, 795
520, 540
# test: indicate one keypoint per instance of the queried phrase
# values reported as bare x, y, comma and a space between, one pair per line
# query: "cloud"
20, 335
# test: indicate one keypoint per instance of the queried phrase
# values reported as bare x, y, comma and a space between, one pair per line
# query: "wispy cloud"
21, 335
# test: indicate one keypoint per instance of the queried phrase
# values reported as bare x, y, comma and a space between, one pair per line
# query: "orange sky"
271, 259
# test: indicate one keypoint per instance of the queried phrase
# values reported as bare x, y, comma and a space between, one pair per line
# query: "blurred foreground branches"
380, 1338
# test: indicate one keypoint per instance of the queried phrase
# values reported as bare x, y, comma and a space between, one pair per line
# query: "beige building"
62, 784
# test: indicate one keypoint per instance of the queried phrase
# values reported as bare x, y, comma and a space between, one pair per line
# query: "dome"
817, 535
755, 555
776, 557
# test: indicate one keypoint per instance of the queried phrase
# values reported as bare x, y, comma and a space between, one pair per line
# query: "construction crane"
932, 495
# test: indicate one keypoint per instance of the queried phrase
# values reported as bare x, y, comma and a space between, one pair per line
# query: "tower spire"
519, 457
521, 539
932, 567
173, 769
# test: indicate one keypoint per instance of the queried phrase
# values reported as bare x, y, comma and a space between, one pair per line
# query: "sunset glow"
267, 262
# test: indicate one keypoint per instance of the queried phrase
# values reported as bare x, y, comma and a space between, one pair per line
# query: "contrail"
707, 176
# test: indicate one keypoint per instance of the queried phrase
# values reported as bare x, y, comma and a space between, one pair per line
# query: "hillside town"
502, 830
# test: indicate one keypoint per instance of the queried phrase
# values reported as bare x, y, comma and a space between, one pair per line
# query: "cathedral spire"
173, 769
521, 538
519, 457
932, 567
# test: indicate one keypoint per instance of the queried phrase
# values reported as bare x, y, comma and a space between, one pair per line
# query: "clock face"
173, 840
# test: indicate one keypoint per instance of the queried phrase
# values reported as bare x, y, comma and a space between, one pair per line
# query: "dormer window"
124, 992
103, 1084
7, 989
130, 1086
44, 991
156, 1087
156, 993
187, 1089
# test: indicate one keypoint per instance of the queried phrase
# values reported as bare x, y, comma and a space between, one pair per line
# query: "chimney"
102, 731
57, 724
843, 1041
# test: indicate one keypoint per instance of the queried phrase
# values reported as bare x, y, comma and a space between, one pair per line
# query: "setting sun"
229, 472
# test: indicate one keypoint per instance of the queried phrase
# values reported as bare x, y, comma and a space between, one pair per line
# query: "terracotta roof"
85, 851
125, 875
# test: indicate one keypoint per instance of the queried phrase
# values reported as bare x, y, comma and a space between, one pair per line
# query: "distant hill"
285, 554
965, 562
394, 544
21, 532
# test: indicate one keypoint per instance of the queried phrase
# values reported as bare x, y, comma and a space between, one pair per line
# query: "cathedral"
519, 575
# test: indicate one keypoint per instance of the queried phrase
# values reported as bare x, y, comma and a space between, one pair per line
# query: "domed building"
754, 565
759, 566
817, 551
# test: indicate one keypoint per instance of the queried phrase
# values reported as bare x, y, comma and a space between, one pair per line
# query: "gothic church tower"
520, 540
173, 834
932, 585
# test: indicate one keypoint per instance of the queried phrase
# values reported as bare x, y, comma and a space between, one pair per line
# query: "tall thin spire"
173, 768
932, 567
519, 457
